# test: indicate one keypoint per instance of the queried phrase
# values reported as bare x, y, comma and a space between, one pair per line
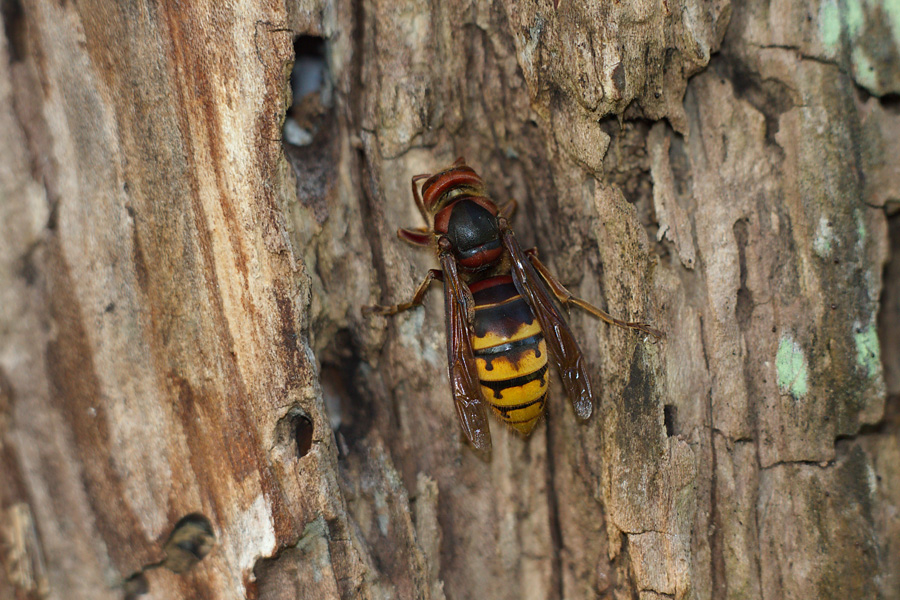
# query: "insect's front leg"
417, 298
420, 236
565, 298
509, 209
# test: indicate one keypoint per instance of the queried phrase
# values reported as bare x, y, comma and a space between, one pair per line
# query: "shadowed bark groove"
192, 405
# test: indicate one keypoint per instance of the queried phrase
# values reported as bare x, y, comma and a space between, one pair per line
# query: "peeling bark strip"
180, 336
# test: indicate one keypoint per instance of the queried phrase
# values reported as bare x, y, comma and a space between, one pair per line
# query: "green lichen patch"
854, 17
830, 24
833, 21
860, 231
867, 33
868, 350
791, 368
864, 70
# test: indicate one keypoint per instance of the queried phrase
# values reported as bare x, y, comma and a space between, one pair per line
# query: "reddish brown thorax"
463, 212
439, 194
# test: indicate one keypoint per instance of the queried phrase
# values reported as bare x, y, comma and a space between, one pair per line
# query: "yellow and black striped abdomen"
510, 353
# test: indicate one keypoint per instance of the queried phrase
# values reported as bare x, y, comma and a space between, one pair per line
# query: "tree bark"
192, 405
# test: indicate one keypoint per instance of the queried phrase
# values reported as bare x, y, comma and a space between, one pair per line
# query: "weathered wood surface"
178, 293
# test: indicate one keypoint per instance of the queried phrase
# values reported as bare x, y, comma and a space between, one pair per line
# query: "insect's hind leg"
417, 298
565, 298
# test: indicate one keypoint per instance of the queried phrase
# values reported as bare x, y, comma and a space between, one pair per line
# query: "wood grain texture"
180, 294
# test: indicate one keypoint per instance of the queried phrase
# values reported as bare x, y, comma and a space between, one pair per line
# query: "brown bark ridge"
192, 406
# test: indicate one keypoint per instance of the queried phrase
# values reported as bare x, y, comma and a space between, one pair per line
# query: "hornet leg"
417, 298
418, 196
509, 209
565, 298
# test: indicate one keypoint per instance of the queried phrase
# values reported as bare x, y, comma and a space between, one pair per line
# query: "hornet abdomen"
510, 353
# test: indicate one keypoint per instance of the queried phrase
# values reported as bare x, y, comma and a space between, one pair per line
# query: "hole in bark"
190, 542
890, 103
14, 27
303, 435
294, 433
136, 586
311, 90
669, 413
349, 407
334, 392
311, 143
